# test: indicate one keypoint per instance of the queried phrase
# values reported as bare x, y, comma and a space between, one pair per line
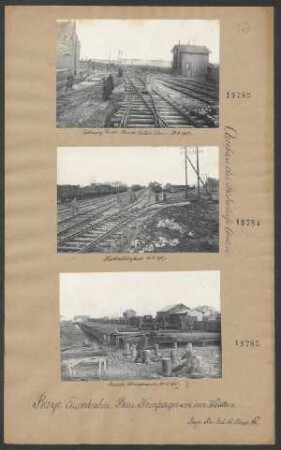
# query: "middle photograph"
137, 199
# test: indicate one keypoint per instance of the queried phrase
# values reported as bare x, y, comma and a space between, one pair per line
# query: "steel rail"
183, 90
157, 119
178, 109
82, 222
107, 233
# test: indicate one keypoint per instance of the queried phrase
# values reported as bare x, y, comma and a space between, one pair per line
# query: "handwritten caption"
134, 258
43, 402
195, 423
136, 132
230, 135
148, 383
218, 411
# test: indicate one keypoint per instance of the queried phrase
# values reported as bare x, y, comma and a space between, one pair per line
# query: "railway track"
204, 95
83, 221
153, 108
101, 232
84, 207
204, 87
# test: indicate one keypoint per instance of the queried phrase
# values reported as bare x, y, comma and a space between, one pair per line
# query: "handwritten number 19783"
248, 222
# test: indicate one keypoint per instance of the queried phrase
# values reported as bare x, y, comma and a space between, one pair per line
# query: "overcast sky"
132, 165
110, 294
144, 39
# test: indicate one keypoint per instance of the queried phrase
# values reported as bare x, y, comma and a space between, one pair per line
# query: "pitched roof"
65, 28
191, 49
81, 317
198, 310
175, 309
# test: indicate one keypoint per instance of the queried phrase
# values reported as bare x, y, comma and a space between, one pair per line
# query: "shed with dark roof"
172, 315
190, 60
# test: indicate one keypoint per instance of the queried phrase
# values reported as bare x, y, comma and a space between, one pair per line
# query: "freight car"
178, 187
136, 187
67, 192
97, 190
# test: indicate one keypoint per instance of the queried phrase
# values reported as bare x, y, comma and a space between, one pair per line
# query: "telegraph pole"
198, 171
186, 175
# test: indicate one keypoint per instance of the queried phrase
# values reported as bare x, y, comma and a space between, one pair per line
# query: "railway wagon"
136, 187
97, 190
172, 188
67, 192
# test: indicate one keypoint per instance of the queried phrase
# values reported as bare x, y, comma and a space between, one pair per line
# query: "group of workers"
107, 84
152, 197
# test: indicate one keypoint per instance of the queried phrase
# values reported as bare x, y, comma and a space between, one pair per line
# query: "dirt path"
84, 108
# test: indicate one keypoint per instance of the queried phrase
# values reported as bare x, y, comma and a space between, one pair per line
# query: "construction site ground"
83, 106
121, 366
176, 224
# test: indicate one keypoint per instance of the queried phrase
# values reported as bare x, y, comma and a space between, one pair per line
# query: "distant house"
196, 314
212, 185
178, 308
190, 60
129, 313
172, 315
213, 316
172, 310
81, 318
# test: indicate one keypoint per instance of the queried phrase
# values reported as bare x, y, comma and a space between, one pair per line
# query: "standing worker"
108, 86
74, 207
141, 346
132, 196
110, 82
147, 83
149, 195
69, 82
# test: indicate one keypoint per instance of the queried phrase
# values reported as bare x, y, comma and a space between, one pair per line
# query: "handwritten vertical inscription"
230, 135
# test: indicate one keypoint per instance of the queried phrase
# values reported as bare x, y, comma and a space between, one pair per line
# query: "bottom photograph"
140, 325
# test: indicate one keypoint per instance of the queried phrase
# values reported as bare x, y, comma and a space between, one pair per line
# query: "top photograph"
137, 73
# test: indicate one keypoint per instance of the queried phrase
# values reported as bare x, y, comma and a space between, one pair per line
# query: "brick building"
68, 48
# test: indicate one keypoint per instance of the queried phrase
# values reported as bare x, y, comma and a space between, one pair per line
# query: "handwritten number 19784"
247, 343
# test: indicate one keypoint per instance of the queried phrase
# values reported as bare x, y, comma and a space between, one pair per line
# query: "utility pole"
200, 179
198, 171
109, 51
185, 170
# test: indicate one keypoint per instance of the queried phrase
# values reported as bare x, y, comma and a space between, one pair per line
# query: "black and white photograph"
137, 199
140, 325
113, 73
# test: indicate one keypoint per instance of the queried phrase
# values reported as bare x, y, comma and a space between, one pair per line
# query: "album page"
139, 225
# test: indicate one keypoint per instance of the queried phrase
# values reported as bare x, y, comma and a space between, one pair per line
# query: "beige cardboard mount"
245, 392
